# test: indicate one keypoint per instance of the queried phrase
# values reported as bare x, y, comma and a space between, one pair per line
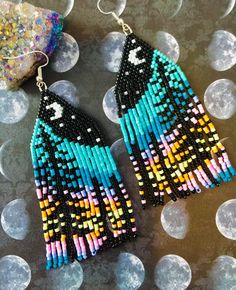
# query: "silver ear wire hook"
40, 83
101, 10
126, 28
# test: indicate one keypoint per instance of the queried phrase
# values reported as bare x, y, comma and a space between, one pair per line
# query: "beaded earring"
169, 137
84, 205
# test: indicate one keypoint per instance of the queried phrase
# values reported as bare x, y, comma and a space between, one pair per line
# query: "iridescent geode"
24, 28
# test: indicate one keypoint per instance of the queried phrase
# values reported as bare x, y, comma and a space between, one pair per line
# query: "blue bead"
79, 258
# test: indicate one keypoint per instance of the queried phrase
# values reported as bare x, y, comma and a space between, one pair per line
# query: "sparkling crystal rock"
24, 28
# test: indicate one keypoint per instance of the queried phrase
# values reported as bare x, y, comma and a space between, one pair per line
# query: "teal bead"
125, 135
79, 258
48, 264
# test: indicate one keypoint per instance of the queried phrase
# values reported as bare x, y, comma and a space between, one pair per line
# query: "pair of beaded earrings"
168, 135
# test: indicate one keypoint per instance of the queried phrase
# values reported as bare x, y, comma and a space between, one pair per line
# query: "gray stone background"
133, 265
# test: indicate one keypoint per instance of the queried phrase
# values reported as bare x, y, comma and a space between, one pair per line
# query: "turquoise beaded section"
170, 111
97, 160
79, 189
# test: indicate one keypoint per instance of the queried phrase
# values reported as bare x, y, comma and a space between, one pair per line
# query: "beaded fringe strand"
83, 202
168, 135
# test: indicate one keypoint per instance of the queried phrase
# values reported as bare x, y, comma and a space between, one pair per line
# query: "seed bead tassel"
84, 205
168, 135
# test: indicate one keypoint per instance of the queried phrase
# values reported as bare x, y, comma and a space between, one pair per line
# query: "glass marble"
229, 8
172, 272
15, 219
14, 161
66, 54
64, 7
223, 273
118, 148
222, 50
226, 219
15, 273
175, 219
120, 6
67, 277
69, 7
167, 8
110, 106
129, 272
67, 90
14, 106
168, 45
220, 99
111, 50
117, 6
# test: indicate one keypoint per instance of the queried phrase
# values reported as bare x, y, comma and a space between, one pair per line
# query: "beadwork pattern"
168, 135
83, 202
